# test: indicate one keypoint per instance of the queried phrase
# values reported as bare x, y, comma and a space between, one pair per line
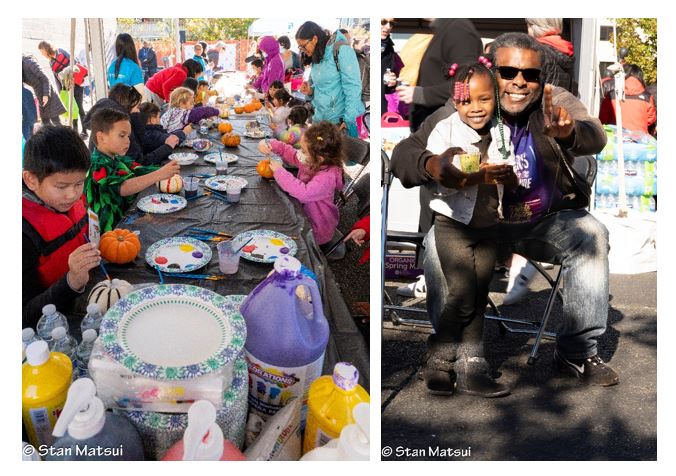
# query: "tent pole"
73, 25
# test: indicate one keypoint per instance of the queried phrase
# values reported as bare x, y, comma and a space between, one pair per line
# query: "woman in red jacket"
638, 106
164, 82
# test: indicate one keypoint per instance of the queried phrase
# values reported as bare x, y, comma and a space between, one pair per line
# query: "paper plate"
216, 157
184, 158
200, 145
162, 203
267, 245
178, 254
220, 182
173, 332
256, 134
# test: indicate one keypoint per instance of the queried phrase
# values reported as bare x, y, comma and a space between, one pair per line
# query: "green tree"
214, 29
640, 36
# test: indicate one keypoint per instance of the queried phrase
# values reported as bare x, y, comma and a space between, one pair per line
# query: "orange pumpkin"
264, 170
249, 108
224, 127
119, 246
230, 140
257, 105
239, 110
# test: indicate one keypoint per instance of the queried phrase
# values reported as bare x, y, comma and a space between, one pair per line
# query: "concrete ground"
547, 416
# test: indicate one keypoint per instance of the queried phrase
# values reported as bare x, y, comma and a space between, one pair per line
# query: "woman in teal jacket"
335, 89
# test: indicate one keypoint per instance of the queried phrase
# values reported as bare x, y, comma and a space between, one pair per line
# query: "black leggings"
467, 257
78, 93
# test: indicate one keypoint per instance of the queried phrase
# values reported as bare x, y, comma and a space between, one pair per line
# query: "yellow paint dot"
276, 241
187, 248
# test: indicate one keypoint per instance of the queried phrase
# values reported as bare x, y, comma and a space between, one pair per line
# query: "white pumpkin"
106, 293
171, 185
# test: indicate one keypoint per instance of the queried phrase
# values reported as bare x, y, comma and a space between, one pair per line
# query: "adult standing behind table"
335, 88
32, 75
164, 82
290, 58
545, 217
273, 66
455, 40
125, 68
59, 60
214, 54
557, 53
197, 49
148, 60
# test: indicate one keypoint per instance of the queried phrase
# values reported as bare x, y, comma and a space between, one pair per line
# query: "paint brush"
240, 248
159, 272
103, 268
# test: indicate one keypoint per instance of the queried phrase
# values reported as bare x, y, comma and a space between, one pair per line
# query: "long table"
263, 205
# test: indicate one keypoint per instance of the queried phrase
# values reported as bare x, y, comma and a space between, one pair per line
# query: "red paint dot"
161, 260
249, 249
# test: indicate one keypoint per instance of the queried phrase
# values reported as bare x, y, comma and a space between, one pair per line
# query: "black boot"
473, 378
438, 368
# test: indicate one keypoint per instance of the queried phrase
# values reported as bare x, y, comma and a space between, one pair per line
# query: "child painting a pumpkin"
182, 112
114, 179
296, 124
56, 258
320, 175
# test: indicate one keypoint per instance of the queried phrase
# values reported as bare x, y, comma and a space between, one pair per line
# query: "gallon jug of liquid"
286, 340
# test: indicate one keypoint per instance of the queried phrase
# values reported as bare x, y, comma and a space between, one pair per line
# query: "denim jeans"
572, 238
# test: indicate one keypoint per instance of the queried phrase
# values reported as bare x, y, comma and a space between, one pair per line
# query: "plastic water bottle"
84, 351
64, 343
28, 336
93, 318
50, 320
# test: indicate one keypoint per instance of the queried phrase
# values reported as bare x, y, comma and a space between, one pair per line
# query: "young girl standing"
320, 175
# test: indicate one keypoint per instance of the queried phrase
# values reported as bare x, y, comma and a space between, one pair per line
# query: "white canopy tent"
288, 26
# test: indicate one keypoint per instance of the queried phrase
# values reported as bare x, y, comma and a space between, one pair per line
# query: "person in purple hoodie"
320, 175
273, 69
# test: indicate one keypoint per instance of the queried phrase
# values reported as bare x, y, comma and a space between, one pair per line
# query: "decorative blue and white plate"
216, 157
173, 332
178, 254
220, 182
162, 203
267, 245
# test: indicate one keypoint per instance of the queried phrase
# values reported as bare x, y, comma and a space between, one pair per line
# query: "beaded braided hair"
461, 76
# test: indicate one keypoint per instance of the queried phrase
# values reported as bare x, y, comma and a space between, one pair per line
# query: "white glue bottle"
92, 434
353, 443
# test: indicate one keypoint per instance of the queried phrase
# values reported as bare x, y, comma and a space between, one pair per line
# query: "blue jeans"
572, 238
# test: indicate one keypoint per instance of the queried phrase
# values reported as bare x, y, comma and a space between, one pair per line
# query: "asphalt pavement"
548, 416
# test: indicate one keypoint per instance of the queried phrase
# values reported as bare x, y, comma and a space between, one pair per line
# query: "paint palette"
200, 145
162, 203
184, 158
178, 254
267, 245
216, 157
220, 182
256, 134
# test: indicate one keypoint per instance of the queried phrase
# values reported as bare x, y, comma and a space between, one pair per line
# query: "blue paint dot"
272, 257
174, 201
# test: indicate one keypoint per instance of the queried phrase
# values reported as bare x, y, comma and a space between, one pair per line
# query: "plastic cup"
190, 185
469, 163
228, 257
221, 166
233, 192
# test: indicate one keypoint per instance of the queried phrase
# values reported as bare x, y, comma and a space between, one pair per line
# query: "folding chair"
586, 167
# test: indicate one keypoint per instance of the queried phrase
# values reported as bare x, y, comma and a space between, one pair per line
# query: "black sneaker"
592, 370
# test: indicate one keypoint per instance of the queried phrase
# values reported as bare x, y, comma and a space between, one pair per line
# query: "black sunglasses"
384, 22
531, 75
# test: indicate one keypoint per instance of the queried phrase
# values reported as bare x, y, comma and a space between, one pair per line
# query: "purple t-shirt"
530, 201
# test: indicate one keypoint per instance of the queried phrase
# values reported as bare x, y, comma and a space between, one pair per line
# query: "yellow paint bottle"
330, 403
45, 379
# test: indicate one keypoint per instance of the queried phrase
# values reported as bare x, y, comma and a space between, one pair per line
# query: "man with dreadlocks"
543, 218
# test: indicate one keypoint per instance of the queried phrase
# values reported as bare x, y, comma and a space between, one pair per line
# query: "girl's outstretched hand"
264, 148
357, 236
274, 165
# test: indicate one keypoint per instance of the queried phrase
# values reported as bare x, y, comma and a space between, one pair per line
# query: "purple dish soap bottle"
286, 340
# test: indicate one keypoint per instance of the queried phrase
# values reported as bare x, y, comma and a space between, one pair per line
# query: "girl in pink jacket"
320, 175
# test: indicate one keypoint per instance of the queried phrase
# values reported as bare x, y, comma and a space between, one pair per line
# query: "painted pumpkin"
239, 109
224, 127
119, 246
264, 170
171, 185
107, 292
249, 108
230, 140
